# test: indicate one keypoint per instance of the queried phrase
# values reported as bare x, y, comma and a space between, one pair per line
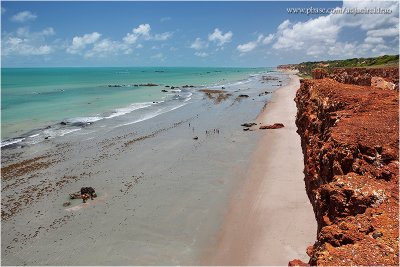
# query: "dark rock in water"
196, 137
159, 71
88, 191
148, 84
264, 93
273, 126
191, 85
222, 87
172, 87
66, 204
114, 85
248, 124
89, 103
243, 95
63, 123
76, 195
167, 86
246, 129
47, 137
136, 85
48, 127
165, 91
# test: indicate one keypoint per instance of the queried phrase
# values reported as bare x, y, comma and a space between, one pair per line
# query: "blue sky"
250, 34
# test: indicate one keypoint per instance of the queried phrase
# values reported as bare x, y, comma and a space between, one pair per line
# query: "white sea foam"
10, 142
122, 111
85, 119
64, 132
153, 114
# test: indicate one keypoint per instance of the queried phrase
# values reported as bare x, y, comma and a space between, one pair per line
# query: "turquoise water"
33, 98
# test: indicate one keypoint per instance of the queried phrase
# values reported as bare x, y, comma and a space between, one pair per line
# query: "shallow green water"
35, 97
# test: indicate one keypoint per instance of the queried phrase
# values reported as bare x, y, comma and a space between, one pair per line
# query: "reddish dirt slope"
350, 142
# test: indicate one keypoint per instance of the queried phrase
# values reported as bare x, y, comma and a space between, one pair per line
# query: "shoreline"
270, 219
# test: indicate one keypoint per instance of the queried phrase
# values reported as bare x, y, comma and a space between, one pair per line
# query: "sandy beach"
165, 198
270, 220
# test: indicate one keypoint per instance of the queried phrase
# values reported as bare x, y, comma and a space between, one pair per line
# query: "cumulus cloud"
201, 54
219, 37
198, 44
268, 39
23, 16
143, 31
106, 47
250, 46
244, 48
321, 35
79, 43
92, 45
22, 42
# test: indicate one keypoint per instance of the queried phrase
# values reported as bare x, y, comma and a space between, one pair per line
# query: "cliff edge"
349, 137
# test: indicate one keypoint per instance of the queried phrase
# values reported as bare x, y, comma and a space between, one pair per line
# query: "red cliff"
350, 141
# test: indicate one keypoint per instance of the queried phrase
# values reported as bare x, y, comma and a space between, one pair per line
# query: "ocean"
42, 103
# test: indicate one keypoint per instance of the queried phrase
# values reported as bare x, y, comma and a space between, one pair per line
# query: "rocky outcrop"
349, 138
367, 76
277, 125
319, 73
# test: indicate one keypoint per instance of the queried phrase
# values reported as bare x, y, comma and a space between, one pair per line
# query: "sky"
224, 34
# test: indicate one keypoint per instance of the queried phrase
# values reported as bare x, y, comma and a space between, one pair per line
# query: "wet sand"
270, 220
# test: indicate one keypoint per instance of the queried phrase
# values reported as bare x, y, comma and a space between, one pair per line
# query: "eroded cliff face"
349, 137
377, 77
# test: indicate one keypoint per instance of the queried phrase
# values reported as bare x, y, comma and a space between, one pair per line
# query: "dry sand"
270, 220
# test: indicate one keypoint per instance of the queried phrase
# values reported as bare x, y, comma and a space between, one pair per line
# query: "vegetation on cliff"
382, 61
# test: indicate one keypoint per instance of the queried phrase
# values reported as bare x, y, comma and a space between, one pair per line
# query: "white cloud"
374, 40
142, 29
302, 35
219, 37
162, 37
284, 25
198, 44
368, 21
268, 39
22, 42
201, 54
23, 16
321, 36
79, 43
22, 47
247, 47
250, 46
107, 47
388, 32
130, 38
48, 31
